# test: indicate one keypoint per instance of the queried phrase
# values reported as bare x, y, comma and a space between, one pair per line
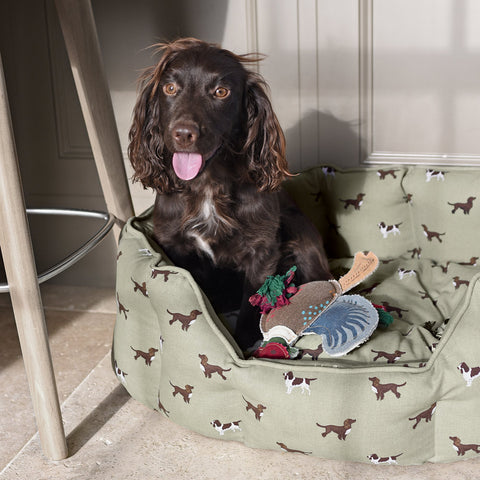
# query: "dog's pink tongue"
187, 165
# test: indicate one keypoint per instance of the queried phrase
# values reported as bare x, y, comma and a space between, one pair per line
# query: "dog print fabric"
402, 390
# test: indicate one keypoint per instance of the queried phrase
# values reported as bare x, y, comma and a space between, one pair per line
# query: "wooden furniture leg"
81, 40
24, 291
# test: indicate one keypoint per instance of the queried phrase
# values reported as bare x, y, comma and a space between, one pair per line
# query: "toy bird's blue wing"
345, 324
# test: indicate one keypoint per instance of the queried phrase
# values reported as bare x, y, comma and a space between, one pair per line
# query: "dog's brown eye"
222, 92
170, 89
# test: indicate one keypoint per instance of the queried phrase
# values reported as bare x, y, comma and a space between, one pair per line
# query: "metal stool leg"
24, 291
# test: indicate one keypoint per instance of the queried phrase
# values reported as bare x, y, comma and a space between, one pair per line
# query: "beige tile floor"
111, 436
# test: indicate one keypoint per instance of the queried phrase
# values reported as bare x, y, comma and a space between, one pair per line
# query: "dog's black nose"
185, 135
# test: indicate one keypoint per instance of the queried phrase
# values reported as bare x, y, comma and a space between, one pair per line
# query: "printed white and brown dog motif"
381, 389
186, 392
329, 171
465, 206
425, 415
209, 369
121, 308
149, 356
340, 430
291, 450
356, 203
186, 320
435, 174
257, 410
391, 357
383, 174
404, 273
462, 449
469, 374
120, 374
377, 460
292, 382
142, 288
221, 428
166, 273
431, 235
387, 230
458, 282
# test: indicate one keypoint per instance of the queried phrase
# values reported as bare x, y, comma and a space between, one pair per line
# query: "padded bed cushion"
409, 395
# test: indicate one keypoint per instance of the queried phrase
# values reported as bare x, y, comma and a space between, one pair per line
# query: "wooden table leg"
24, 291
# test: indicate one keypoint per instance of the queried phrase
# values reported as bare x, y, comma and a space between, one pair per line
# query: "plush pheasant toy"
288, 312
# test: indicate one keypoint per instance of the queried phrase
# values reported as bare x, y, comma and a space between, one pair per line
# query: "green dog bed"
408, 395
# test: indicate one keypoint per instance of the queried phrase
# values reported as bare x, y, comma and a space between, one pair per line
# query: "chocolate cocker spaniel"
205, 138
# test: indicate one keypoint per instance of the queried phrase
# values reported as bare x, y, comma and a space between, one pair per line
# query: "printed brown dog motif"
161, 408
391, 308
121, 308
444, 268
382, 174
431, 235
391, 357
186, 392
426, 415
186, 320
416, 252
466, 206
469, 374
140, 288
289, 450
165, 273
463, 449
221, 428
368, 290
387, 230
340, 430
292, 382
257, 410
472, 262
356, 203
458, 282
314, 353
209, 370
381, 389
149, 356
375, 459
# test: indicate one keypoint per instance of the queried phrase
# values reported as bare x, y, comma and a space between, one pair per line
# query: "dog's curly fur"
232, 221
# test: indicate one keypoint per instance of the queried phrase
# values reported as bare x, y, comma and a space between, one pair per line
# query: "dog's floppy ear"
146, 145
265, 142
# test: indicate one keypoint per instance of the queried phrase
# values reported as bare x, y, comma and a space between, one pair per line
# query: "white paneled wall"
352, 81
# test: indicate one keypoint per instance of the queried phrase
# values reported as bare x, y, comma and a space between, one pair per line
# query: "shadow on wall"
127, 28
321, 138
